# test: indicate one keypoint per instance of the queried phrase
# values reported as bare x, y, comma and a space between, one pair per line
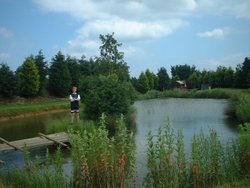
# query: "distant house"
180, 84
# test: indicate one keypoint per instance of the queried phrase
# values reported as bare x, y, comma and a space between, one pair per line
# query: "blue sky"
154, 33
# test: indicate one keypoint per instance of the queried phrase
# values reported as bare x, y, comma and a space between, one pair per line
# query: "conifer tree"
8, 83
59, 76
28, 77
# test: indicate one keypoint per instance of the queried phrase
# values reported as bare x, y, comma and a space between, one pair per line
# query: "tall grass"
100, 161
211, 162
36, 175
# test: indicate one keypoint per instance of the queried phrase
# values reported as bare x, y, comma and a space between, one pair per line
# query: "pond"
190, 115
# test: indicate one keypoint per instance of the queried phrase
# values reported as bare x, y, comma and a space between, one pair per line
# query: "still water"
190, 115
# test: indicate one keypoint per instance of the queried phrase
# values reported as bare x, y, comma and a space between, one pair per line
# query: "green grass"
8, 109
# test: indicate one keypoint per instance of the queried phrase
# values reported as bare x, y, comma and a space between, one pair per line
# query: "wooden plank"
54, 140
36, 141
11, 145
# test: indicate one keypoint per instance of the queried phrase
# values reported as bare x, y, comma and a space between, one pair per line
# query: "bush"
105, 94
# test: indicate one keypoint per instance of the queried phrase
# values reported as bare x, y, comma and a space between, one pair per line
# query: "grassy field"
32, 106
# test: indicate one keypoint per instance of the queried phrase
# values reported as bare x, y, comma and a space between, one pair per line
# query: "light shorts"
74, 111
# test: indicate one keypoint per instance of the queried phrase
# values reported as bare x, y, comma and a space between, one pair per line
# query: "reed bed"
102, 160
210, 164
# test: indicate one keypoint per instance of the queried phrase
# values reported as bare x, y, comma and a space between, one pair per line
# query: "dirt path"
32, 114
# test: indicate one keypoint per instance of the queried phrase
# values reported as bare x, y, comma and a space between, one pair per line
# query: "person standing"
74, 104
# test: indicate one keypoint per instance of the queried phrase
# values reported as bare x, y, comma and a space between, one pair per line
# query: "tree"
182, 71
219, 76
228, 77
194, 81
74, 70
59, 76
28, 77
164, 81
111, 60
246, 73
8, 83
150, 77
142, 84
42, 67
105, 94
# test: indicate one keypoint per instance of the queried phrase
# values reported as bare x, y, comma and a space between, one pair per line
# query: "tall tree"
42, 67
142, 83
228, 77
182, 71
164, 81
246, 73
59, 76
150, 77
111, 60
194, 80
74, 70
29, 77
8, 83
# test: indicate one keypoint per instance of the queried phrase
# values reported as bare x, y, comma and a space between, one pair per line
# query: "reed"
212, 163
100, 161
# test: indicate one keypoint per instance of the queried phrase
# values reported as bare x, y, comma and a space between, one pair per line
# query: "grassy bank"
239, 99
9, 109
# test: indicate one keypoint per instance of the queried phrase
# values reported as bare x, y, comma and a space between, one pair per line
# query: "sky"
153, 33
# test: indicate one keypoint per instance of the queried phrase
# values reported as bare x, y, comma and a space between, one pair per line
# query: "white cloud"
237, 9
5, 33
215, 33
136, 20
131, 29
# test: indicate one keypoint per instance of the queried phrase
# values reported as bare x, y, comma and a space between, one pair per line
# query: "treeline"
104, 81
222, 77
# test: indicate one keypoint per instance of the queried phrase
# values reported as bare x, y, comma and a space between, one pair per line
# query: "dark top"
74, 104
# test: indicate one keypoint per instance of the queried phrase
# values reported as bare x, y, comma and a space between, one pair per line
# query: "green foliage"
164, 81
42, 67
34, 175
111, 60
142, 83
29, 79
59, 76
74, 70
8, 83
211, 163
150, 77
242, 106
194, 80
105, 94
100, 161
244, 139
182, 71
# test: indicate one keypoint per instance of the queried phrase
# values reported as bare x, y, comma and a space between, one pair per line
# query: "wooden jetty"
40, 141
